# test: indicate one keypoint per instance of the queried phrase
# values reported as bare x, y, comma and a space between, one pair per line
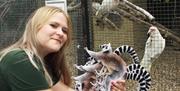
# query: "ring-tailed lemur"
113, 67
133, 72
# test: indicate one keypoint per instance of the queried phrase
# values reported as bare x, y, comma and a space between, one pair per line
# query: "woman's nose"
60, 31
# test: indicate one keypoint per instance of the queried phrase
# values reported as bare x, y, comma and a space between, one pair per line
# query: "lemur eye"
103, 46
91, 58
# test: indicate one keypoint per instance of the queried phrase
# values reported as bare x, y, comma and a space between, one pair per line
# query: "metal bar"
87, 24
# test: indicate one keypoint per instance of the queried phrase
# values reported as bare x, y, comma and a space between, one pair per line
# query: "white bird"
96, 5
155, 45
106, 6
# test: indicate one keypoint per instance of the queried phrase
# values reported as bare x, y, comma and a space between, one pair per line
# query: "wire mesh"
165, 71
13, 17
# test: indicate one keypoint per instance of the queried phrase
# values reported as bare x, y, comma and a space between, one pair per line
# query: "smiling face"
53, 35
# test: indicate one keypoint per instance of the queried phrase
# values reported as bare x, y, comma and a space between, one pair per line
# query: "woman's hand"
87, 85
118, 85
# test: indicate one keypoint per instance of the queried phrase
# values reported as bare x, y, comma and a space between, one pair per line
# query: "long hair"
30, 44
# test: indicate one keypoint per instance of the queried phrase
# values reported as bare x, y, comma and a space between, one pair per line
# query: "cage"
89, 31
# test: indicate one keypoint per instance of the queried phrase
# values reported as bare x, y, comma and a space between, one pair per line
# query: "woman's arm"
118, 85
59, 86
46, 90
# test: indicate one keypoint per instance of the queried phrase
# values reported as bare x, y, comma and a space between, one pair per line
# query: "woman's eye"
54, 25
64, 29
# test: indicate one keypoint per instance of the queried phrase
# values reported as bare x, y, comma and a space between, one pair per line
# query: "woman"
37, 60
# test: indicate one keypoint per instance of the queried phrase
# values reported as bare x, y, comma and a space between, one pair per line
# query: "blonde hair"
29, 43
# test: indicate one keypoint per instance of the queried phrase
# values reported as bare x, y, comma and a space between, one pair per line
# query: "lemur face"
106, 48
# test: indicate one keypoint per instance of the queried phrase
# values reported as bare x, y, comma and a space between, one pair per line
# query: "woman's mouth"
57, 40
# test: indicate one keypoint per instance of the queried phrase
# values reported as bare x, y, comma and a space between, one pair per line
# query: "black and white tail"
135, 71
138, 73
128, 49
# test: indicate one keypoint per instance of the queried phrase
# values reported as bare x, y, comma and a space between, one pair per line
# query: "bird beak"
148, 34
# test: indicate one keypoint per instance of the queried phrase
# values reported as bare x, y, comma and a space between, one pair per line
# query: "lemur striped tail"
129, 50
135, 71
138, 73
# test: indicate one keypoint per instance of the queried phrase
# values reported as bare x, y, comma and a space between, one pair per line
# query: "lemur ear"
109, 44
102, 46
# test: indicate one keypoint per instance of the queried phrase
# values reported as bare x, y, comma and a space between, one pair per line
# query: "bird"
106, 6
95, 6
154, 46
